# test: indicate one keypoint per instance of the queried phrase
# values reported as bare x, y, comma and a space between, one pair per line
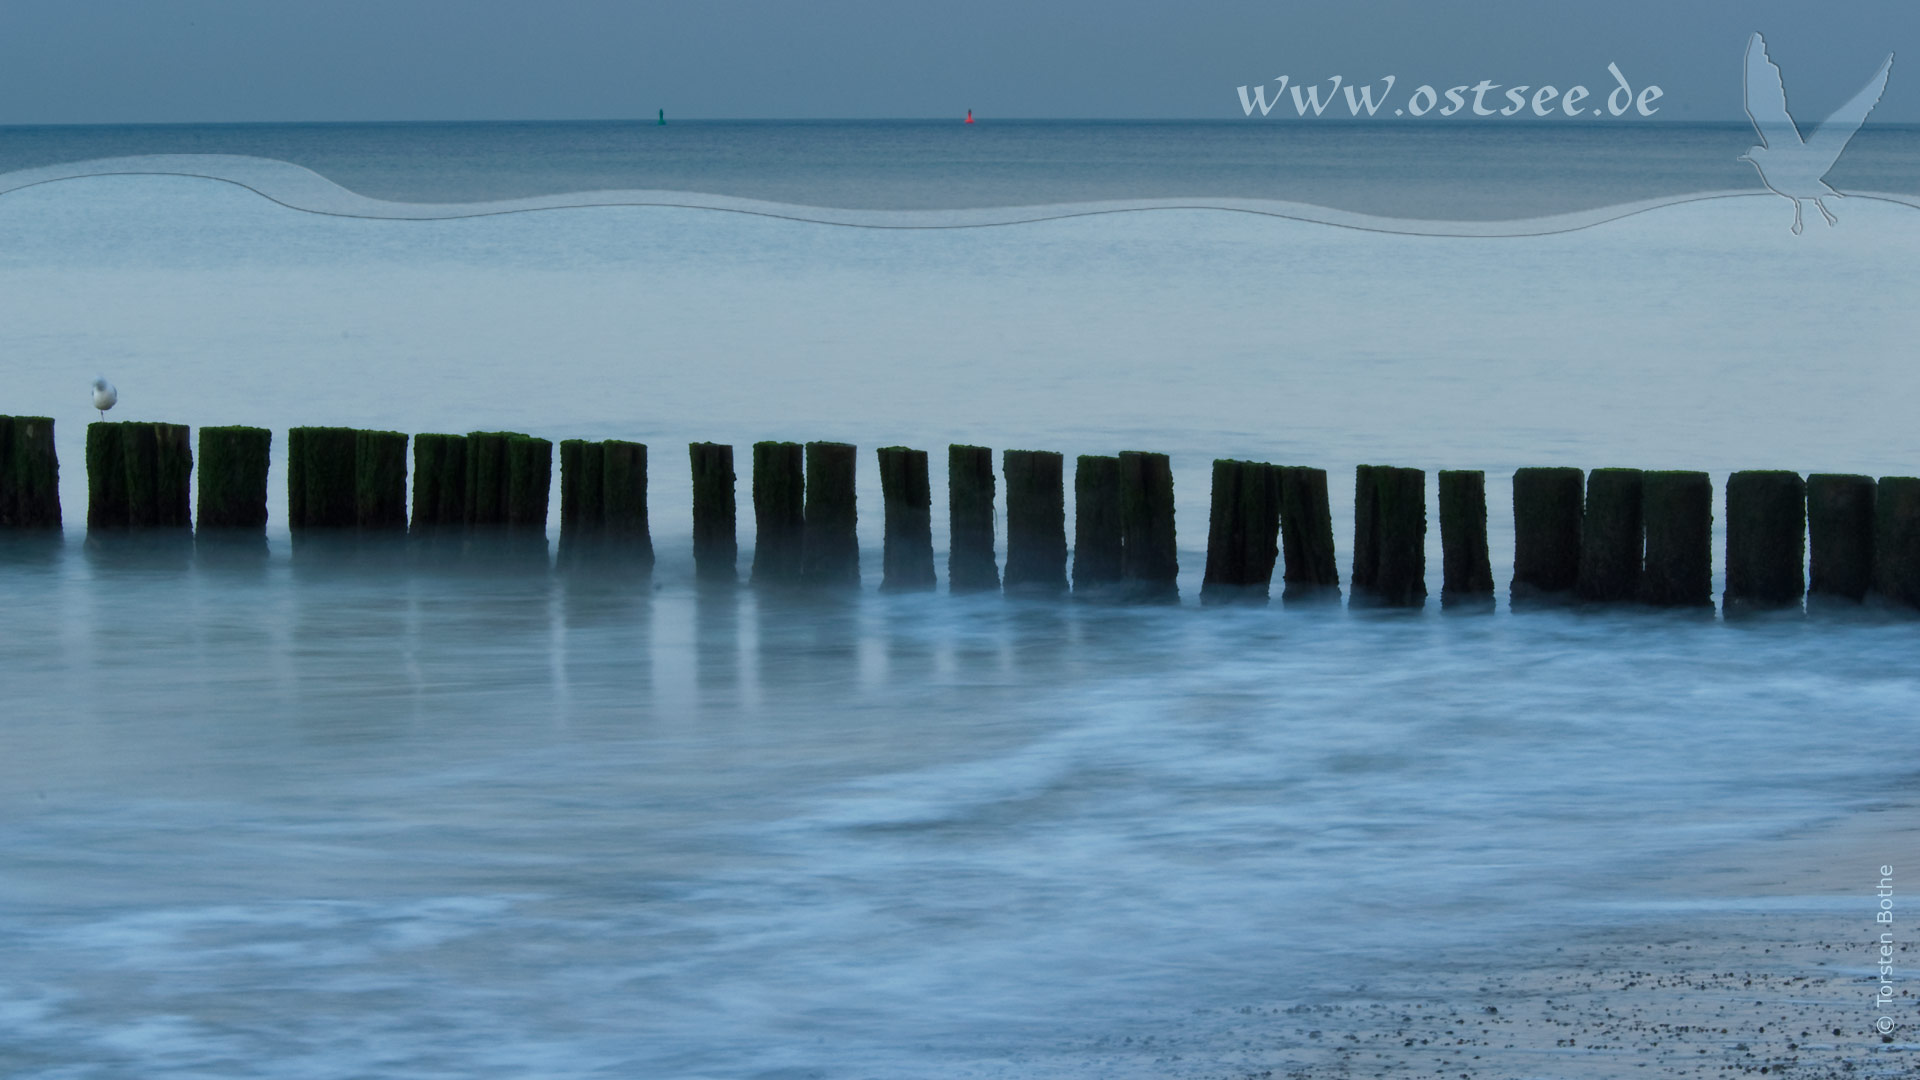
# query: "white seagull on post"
104, 395
1789, 165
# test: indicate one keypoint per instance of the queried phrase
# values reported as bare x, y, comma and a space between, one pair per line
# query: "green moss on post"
233, 477
1766, 540
106, 477
779, 512
715, 551
1466, 582
625, 534
1549, 515
1243, 533
380, 481
29, 473
529, 480
1149, 564
140, 459
439, 483
1896, 540
1612, 541
1036, 521
906, 491
1097, 544
830, 548
1312, 570
322, 478
582, 491
1840, 525
490, 476
1676, 510
173, 476
972, 565
1390, 536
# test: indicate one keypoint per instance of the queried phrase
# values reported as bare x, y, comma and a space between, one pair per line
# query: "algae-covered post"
624, 530
1549, 516
1096, 523
583, 492
971, 563
1896, 540
715, 550
1766, 540
322, 478
1466, 582
29, 473
779, 512
1036, 521
380, 481
1390, 536
1612, 541
830, 546
1676, 511
233, 477
1312, 571
1149, 564
906, 490
1243, 532
139, 475
1840, 524
439, 482
529, 479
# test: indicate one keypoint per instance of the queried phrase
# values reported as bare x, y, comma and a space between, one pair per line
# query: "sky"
199, 61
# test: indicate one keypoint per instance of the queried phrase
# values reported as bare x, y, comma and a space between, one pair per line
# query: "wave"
299, 188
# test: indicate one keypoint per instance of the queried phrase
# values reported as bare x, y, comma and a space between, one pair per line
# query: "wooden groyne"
1611, 536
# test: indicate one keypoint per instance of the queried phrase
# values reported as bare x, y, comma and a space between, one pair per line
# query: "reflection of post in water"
716, 640
806, 638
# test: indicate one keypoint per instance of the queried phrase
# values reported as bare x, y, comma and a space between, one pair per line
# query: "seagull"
104, 395
1790, 166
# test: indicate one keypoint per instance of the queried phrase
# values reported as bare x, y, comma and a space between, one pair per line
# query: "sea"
282, 815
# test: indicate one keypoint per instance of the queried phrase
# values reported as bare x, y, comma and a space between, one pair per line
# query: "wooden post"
1390, 536
1549, 515
138, 475
1896, 540
1840, 525
779, 512
624, 531
1243, 533
490, 476
529, 480
1149, 563
1096, 524
322, 478
29, 473
1766, 540
830, 546
380, 481
971, 563
1312, 570
907, 494
1612, 541
1676, 510
715, 551
583, 490
1036, 521
1466, 568
233, 478
439, 483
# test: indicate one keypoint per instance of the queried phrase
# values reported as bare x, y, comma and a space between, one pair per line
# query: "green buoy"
663, 118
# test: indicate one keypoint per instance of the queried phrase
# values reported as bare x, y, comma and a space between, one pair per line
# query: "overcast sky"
120, 61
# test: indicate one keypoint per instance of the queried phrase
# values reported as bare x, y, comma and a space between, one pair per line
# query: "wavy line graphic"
299, 188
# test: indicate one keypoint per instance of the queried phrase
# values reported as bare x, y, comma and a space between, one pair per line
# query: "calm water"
303, 816
1485, 171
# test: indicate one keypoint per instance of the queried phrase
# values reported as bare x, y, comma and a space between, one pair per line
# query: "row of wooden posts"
1609, 535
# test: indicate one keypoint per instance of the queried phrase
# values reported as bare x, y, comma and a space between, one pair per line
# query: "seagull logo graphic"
1791, 166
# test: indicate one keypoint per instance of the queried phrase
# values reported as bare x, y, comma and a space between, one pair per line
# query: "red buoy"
969, 116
